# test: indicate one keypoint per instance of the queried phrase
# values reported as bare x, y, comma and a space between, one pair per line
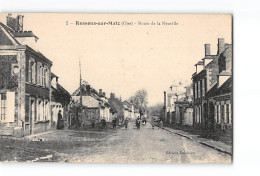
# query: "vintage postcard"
116, 88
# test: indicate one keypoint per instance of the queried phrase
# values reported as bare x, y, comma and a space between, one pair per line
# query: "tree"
140, 100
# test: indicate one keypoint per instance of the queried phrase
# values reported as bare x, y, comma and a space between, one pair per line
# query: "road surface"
146, 145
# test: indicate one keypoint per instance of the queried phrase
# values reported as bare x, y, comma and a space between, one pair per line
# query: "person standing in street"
161, 124
138, 122
93, 122
126, 123
114, 123
59, 123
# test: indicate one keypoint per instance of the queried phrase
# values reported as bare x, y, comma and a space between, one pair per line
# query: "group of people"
60, 123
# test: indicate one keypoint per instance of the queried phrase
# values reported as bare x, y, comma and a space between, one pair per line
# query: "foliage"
140, 100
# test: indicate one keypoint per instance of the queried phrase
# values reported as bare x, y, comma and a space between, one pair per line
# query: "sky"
125, 58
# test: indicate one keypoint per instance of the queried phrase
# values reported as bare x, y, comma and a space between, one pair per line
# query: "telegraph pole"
80, 84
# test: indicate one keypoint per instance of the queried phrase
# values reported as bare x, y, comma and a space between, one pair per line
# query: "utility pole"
80, 84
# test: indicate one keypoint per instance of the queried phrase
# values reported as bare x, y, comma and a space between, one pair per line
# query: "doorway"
32, 115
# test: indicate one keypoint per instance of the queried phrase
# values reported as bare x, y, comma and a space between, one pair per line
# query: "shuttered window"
7, 106
3, 105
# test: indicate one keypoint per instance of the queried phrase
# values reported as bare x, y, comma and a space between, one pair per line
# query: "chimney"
104, 94
207, 49
88, 89
112, 95
100, 92
221, 45
20, 23
15, 23
164, 98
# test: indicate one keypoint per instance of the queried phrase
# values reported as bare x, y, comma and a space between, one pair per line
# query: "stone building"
25, 81
219, 98
205, 80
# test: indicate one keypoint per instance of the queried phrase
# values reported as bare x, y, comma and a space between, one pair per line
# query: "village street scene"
47, 117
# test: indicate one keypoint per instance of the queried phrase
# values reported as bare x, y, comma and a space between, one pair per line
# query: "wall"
188, 117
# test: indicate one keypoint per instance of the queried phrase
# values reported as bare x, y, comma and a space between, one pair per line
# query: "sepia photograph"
116, 88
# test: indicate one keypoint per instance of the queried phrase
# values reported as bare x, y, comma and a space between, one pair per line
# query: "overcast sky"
123, 59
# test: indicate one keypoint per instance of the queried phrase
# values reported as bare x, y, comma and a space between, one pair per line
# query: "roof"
225, 88
8, 38
225, 73
53, 75
87, 101
61, 95
200, 63
210, 57
24, 34
5, 40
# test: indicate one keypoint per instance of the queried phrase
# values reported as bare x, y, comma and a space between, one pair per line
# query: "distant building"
94, 104
131, 110
60, 100
118, 107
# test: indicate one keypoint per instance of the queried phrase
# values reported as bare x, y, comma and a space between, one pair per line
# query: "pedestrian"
152, 122
93, 122
114, 123
103, 121
59, 123
126, 123
138, 121
161, 124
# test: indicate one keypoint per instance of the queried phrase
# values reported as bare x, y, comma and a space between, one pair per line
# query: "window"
222, 113
30, 71
227, 113
33, 72
42, 76
217, 113
195, 90
39, 110
38, 74
3, 106
46, 114
47, 77
203, 87
199, 89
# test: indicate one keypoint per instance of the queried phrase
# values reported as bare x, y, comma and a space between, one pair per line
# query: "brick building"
25, 81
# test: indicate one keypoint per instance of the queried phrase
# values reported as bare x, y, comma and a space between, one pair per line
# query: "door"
32, 115
212, 116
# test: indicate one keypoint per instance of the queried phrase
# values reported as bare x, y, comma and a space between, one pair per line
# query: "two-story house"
25, 81
204, 79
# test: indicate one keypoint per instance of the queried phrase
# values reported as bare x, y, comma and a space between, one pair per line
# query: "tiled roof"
87, 101
4, 38
223, 89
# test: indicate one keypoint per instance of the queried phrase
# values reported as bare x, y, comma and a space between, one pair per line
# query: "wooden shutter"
10, 105
0, 106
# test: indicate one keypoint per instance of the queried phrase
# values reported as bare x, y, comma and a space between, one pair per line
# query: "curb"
203, 143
